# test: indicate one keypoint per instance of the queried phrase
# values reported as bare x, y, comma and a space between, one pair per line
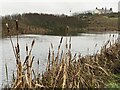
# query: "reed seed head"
7, 25
16, 24
61, 39
33, 42
26, 48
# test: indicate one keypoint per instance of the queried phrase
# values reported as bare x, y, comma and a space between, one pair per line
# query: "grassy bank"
34, 23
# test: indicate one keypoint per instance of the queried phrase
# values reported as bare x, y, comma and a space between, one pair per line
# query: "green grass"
115, 83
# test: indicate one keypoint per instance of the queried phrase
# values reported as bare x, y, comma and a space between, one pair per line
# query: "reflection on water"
84, 44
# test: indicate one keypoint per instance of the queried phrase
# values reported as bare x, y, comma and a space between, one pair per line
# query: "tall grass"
65, 70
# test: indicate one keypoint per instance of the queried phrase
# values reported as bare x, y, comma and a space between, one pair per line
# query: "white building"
102, 11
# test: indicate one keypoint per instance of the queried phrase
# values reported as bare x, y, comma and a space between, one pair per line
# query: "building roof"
104, 10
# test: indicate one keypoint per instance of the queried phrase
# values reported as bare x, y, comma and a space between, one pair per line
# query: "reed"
64, 70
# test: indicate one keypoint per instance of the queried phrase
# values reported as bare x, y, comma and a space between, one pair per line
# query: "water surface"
84, 43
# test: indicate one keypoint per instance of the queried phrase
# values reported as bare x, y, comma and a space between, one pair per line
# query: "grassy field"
65, 70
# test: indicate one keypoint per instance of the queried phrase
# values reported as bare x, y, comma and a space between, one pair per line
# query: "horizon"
54, 7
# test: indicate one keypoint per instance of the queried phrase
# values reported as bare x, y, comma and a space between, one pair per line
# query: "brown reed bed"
64, 70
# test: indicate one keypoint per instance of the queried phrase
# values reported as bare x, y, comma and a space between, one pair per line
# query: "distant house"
102, 11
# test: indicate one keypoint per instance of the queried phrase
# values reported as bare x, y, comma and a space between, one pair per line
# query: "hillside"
102, 23
34, 23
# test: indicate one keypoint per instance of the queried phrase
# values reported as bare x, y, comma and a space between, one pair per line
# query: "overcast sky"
54, 6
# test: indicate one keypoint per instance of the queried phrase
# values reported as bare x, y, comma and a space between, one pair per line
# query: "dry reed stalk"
61, 56
17, 29
103, 70
15, 83
57, 57
18, 84
19, 66
60, 69
38, 85
48, 69
70, 43
7, 25
16, 51
52, 55
26, 79
26, 49
38, 63
35, 78
29, 65
29, 72
6, 69
64, 76
66, 45
53, 66
29, 61
13, 78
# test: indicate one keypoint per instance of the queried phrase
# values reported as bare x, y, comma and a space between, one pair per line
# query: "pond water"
84, 43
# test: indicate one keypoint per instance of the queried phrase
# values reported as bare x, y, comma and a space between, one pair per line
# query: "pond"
83, 43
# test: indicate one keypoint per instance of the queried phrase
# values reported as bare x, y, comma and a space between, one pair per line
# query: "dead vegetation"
64, 70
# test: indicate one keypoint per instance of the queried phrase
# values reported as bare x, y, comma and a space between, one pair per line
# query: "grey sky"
54, 7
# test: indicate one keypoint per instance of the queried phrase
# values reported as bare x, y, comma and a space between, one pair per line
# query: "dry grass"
83, 72
65, 70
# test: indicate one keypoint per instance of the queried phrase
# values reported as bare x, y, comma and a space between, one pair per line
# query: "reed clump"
64, 70
91, 71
